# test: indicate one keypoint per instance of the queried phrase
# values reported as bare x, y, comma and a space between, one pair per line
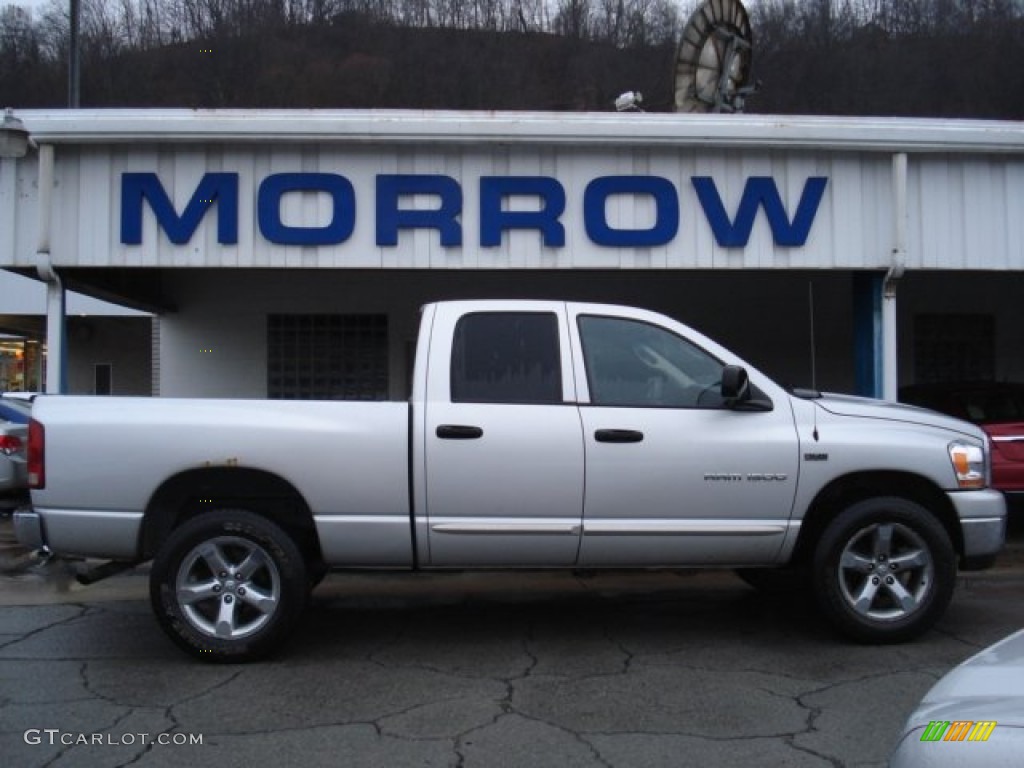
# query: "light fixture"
629, 102
13, 136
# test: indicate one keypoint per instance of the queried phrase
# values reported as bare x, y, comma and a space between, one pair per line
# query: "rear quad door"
503, 441
675, 475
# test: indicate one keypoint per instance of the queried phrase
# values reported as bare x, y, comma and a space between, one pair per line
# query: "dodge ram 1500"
539, 434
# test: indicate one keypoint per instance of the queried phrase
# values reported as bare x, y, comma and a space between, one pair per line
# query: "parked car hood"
990, 679
987, 688
868, 408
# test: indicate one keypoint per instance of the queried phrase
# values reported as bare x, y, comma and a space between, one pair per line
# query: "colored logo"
958, 730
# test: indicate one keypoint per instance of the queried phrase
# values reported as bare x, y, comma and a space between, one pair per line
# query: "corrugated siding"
965, 212
18, 212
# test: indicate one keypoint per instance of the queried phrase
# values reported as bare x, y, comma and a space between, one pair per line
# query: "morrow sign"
393, 212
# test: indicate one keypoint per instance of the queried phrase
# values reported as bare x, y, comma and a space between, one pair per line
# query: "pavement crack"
627, 662
464, 739
971, 644
208, 690
82, 611
77, 741
790, 741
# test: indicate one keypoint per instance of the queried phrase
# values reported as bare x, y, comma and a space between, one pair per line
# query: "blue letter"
268, 209
666, 202
760, 191
221, 188
390, 218
494, 220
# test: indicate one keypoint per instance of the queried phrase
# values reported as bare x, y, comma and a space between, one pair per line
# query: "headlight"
969, 464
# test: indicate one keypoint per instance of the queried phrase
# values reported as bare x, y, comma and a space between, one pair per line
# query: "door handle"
618, 436
458, 432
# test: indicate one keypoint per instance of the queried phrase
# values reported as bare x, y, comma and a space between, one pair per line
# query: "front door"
674, 476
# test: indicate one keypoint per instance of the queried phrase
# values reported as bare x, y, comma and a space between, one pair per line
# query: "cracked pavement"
489, 670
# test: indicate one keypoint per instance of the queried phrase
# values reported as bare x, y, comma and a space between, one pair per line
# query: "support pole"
75, 57
890, 357
56, 342
56, 346
867, 332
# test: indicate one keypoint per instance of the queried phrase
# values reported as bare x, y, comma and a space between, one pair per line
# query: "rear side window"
506, 357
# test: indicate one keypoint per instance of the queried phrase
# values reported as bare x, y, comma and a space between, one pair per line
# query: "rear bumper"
79, 532
982, 517
28, 528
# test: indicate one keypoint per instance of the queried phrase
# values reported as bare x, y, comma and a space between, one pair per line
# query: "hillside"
952, 58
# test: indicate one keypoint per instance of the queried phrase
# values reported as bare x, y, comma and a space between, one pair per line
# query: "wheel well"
847, 490
190, 493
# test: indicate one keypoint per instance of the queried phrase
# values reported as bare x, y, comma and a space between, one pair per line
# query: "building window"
103, 379
506, 357
954, 348
327, 357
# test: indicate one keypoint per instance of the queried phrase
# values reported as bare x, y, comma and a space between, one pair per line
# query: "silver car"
14, 416
974, 716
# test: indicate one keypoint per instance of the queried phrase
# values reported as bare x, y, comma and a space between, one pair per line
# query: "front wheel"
228, 586
884, 570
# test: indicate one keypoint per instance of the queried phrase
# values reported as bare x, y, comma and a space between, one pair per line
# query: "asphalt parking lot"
502, 669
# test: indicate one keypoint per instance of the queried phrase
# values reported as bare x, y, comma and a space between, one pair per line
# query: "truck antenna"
810, 309
814, 366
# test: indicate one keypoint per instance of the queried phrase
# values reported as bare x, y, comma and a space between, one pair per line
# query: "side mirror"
735, 384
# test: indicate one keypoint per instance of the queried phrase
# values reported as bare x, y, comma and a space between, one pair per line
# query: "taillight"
36, 455
10, 444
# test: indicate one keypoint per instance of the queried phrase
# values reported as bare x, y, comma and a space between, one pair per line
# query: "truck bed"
351, 460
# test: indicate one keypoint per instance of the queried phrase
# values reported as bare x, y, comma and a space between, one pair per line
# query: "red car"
996, 407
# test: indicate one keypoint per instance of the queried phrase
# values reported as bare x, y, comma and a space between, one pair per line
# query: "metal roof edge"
881, 134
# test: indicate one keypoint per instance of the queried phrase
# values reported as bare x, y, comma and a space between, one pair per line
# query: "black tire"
247, 581
884, 570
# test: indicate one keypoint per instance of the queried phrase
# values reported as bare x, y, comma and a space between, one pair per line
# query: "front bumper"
982, 517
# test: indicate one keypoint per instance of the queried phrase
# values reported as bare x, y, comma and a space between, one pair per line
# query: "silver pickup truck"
539, 434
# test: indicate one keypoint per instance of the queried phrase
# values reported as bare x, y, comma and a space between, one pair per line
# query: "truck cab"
565, 434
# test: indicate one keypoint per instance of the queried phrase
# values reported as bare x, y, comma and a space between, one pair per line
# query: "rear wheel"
884, 570
228, 586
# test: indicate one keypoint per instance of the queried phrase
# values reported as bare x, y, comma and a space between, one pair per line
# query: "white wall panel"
13, 212
966, 213
966, 208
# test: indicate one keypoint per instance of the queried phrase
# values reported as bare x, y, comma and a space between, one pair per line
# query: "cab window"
506, 357
635, 364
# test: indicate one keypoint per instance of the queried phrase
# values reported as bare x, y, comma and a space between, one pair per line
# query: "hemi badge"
815, 457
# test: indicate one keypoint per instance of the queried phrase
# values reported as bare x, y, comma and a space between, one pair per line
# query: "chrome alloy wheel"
885, 571
228, 587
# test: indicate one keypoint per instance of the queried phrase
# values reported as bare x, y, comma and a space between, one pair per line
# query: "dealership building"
287, 253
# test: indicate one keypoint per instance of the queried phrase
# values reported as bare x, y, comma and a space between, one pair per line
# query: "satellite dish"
713, 62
